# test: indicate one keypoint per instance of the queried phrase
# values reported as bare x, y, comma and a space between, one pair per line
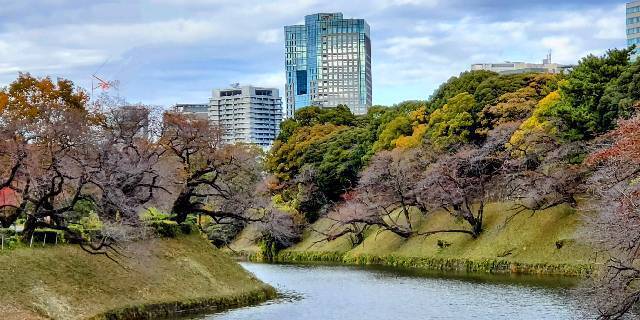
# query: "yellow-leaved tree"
536, 128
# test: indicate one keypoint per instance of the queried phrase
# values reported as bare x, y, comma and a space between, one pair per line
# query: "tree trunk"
183, 206
477, 226
29, 228
8, 217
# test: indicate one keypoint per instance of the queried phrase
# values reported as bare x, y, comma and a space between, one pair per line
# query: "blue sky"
168, 51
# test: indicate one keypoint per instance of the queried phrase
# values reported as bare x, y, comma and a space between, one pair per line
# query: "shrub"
166, 228
153, 214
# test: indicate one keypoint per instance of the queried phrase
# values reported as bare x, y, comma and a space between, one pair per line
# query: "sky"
164, 52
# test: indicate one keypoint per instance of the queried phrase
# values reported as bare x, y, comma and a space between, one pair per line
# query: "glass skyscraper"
328, 63
633, 25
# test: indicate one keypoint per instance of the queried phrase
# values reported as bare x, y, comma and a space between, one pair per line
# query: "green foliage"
188, 228
396, 128
465, 108
622, 95
287, 128
310, 116
153, 214
222, 234
584, 110
166, 228
387, 124
538, 125
92, 221
10, 239
287, 158
466, 82
331, 144
84, 213
519, 104
453, 123
332, 156
268, 250
338, 160
488, 92
78, 230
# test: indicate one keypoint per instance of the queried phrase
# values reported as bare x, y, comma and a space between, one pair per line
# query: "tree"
389, 123
548, 177
45, 148
583, 111
61, 154
538, 132
224, 182
387, 189
420, 180
467, 82
130, 173
309, 116
488, 92
396, 128
319, 163
613, 292
517, 105
453, 123
463, 182
419, 118
286, 159
340, 159
209, 172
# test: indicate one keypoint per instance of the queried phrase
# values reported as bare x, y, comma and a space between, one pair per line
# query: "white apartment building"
633, 25
248, 114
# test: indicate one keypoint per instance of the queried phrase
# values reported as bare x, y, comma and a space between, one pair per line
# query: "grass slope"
64, 282
527, 239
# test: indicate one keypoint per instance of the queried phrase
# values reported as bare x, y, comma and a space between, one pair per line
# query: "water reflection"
339, 292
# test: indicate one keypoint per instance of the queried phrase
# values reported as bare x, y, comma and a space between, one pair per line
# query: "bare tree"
224, 182
464, 182
397, 182
614, 291
129, 175
58, 151
384, 197
544, 180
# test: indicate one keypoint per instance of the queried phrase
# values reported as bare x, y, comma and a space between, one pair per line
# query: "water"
338, 292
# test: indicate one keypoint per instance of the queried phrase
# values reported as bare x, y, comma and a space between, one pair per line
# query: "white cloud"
428, 3
270, 80
184, 47
406, 46
270, 36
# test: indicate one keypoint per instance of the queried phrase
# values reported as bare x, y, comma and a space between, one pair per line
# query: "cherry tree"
615, 230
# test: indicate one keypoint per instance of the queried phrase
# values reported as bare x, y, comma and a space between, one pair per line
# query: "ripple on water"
319, 292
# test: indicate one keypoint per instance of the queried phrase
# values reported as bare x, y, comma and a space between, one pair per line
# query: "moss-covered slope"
544, 242
158, 277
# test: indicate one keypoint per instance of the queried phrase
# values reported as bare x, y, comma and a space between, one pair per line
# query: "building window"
633, 10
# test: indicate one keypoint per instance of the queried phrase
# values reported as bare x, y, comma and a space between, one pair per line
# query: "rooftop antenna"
548, 59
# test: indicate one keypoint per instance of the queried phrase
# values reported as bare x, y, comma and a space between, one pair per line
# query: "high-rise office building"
328, 63
633, 25
247, 114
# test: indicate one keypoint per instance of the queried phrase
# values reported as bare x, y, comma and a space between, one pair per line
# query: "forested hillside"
532, 141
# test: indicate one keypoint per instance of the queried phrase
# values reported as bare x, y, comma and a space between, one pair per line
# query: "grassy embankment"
159, 277
544, 243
